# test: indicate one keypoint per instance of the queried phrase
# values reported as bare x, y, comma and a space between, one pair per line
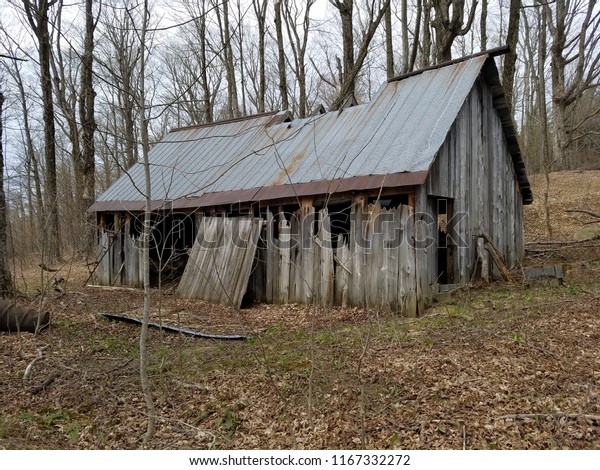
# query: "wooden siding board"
295, 259
407, 290
393, 230
270, 258
326, 270
422, 228
285, 261
104, 255
432, 261
357, 241
308, 252
342, 272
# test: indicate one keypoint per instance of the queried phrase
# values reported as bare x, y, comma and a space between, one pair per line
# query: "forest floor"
497, 366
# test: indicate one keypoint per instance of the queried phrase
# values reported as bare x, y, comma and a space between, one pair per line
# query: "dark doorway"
445, 251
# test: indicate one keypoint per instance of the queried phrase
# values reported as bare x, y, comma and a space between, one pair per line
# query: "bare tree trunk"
426, 57
78, 108
510, 59
285, 104
232, 97
37, 15
190, 68
389, 43
352, 67
291, 15
448, 23
543, 112
240, 36
574, 30
260, 10
346, 9
483, 24
405, 46
87, 164
32, 162
119, 56
207, 101
416, 38
146, 236
6, 285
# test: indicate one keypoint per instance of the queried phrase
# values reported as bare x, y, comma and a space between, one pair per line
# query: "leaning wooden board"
221, 260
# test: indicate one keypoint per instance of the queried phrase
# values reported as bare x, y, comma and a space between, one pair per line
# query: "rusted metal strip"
272, 193
172, 329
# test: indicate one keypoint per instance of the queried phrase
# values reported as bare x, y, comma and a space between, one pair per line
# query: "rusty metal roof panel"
399, 131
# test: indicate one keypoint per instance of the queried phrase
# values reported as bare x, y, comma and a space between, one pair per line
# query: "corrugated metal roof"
398, 132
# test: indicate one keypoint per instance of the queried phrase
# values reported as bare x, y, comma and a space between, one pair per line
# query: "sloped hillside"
499, 366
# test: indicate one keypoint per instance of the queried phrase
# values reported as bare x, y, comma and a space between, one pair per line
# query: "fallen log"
172, 329
13, 318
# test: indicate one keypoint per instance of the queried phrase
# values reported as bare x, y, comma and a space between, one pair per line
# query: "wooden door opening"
445, 247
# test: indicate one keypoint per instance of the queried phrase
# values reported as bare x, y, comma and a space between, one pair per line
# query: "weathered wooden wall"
301, 259
372, 266
474, 168
120, 261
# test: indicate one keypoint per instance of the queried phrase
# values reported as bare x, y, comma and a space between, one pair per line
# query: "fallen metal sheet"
544, 276
172, 329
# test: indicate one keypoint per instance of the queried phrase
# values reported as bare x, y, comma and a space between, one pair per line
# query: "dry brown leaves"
319, 378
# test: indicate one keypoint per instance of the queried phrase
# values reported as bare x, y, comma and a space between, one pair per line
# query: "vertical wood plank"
295, 258
326, 259
308, 251
285, 258
342, 272
407, 280
357, 252
269, 279
393, 234
104, 257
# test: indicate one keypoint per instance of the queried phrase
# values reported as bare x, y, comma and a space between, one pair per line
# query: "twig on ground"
558, 242
551, 415
563, 247
133, 289
582, 211
46, 268
29, 369
45, 384
545, 304
120, 366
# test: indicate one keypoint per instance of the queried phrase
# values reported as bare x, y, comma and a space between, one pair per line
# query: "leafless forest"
87, 87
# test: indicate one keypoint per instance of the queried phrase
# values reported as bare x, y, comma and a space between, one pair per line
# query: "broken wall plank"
221, 260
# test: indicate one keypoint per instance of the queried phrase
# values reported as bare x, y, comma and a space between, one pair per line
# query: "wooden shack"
375, 205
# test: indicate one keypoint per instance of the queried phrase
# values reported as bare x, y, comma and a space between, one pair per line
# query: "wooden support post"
497, 257
482, 260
